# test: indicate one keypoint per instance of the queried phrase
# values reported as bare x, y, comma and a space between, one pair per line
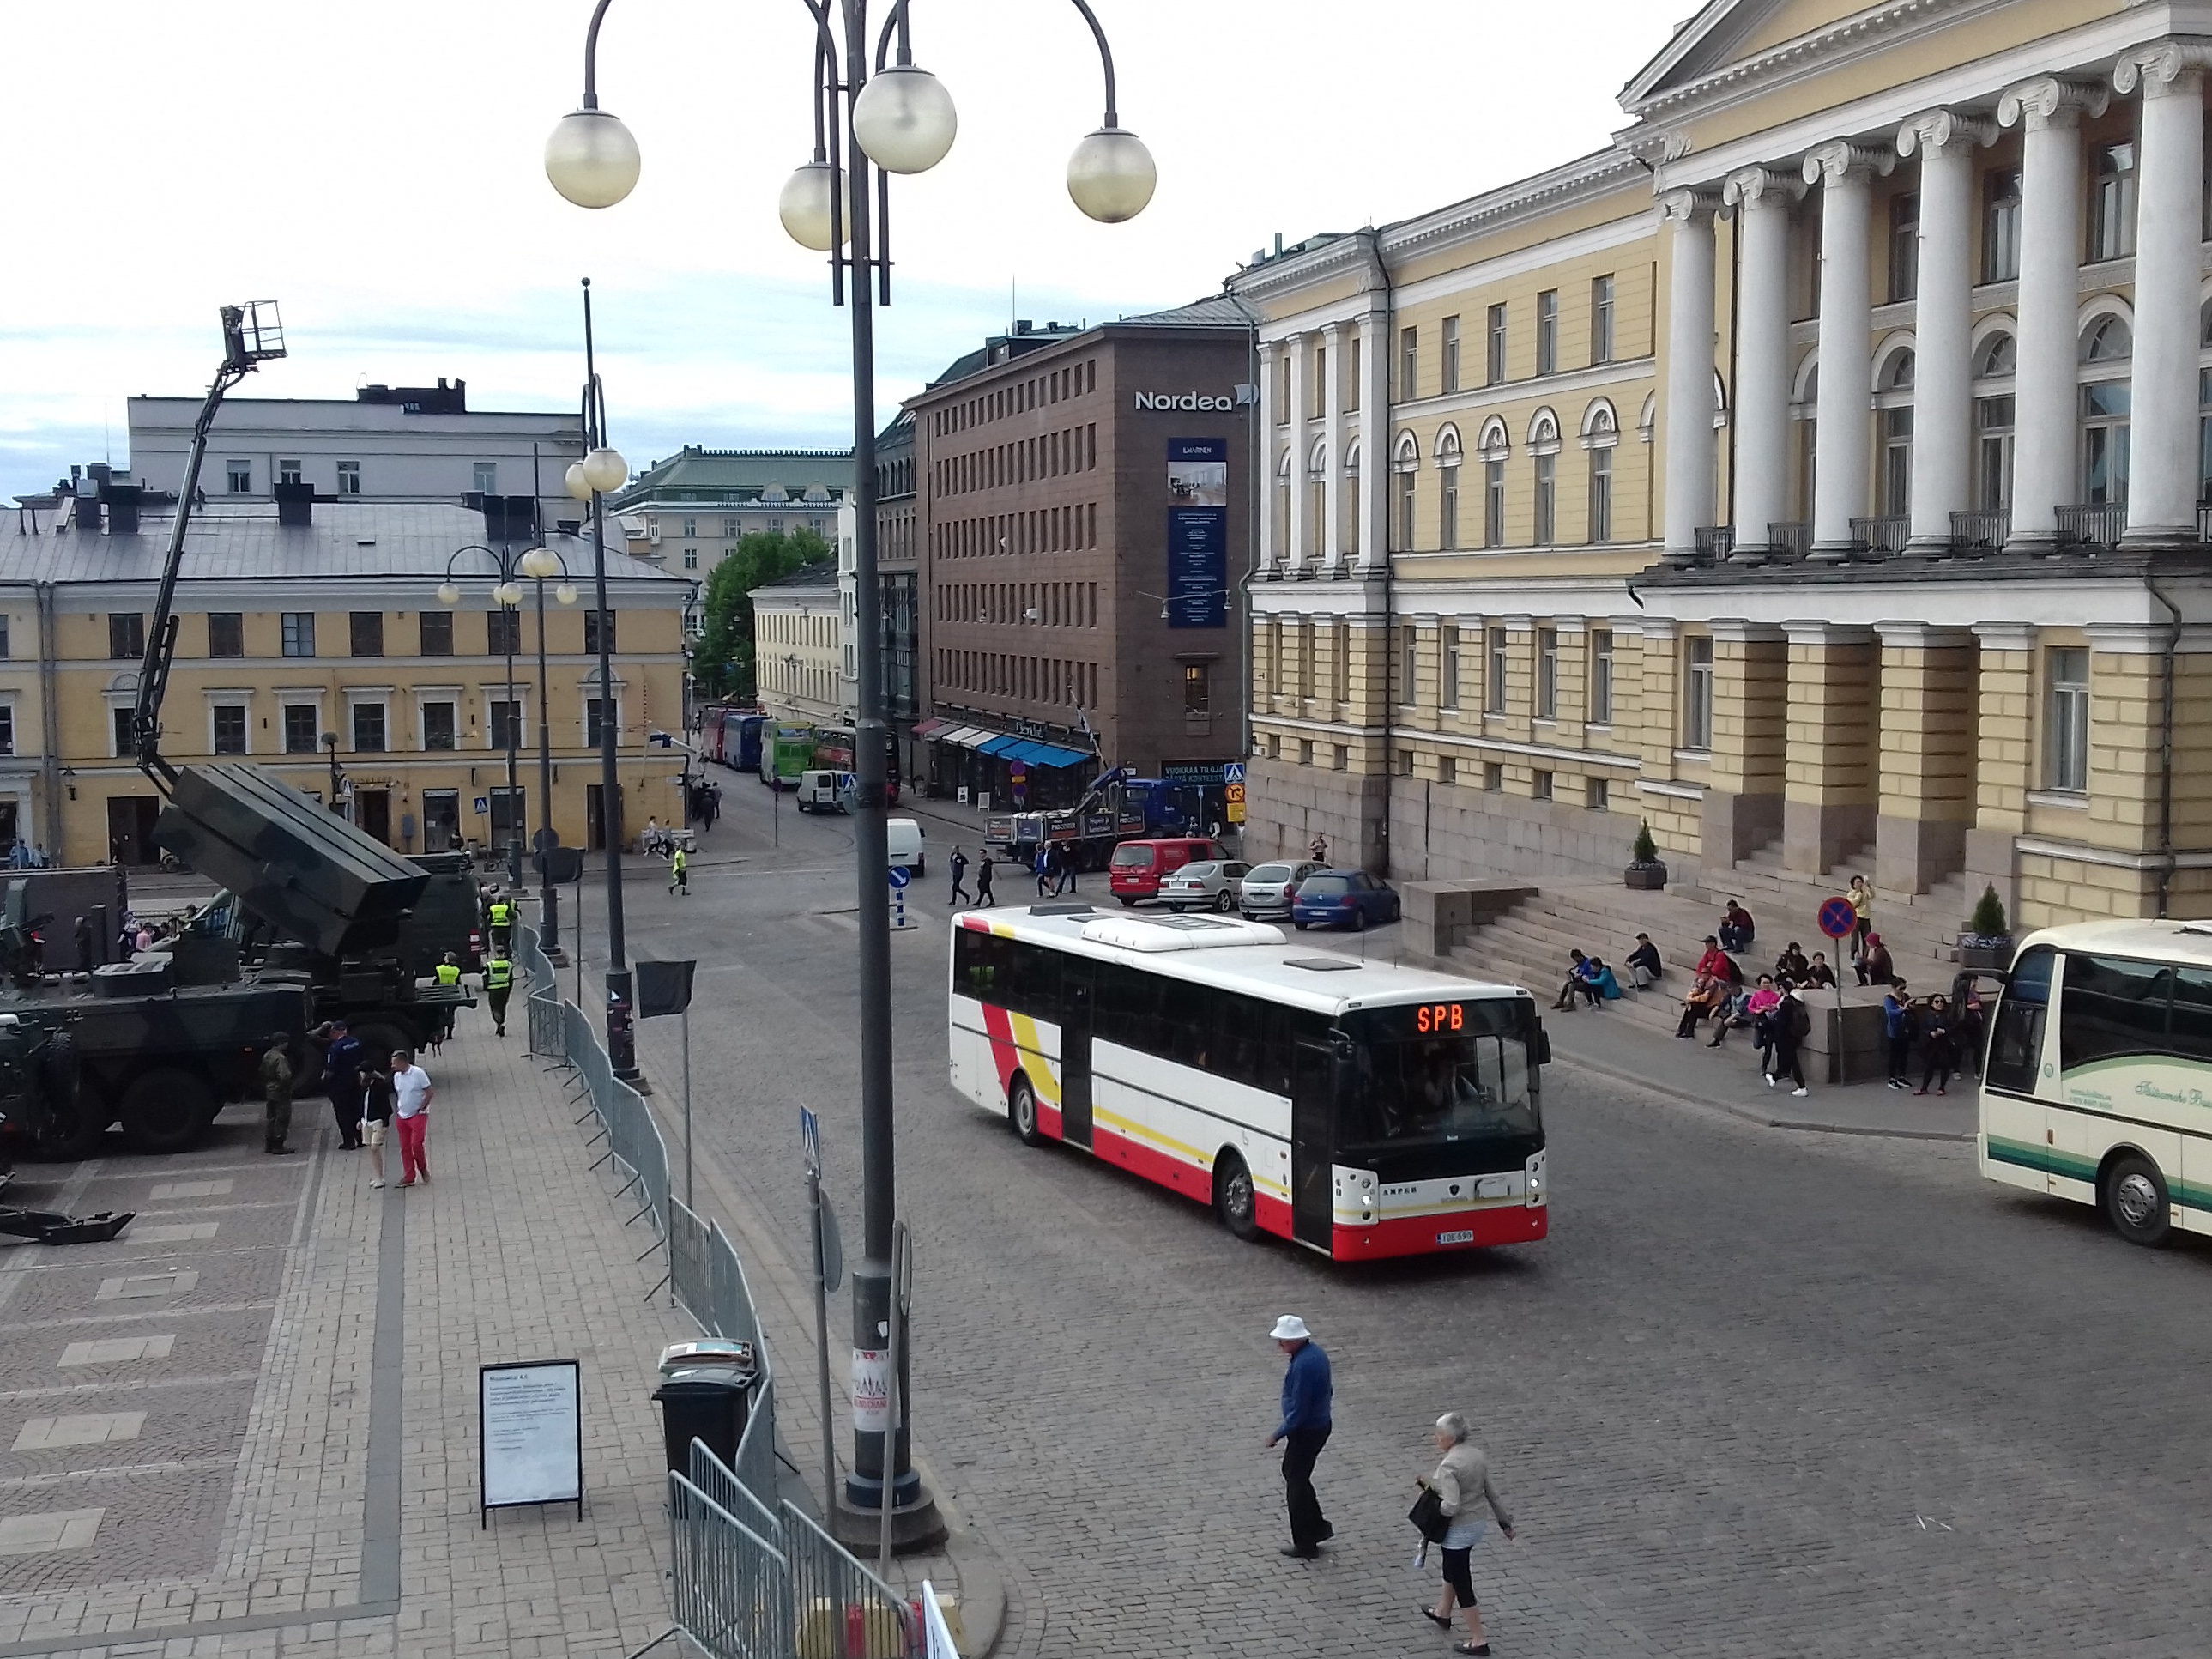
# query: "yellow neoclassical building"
1814, 474
319, 650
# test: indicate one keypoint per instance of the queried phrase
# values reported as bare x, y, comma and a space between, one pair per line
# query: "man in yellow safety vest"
502, 920
449, 978
498, 982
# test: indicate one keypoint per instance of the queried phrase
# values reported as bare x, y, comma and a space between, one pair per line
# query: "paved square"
89, 1428
43, 1535
137, 1287
118, 1350
176, 1233
191, 1188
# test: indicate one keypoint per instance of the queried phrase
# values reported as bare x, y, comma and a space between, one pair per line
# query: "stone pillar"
2163, 476
1760, 477
1840, 483
1374, 439
1658, 664
2005, 749
1270, 450
1942, 396
1336, 341
2046, 390
1750, 697
1300, 437
1828, 812
1688, 413
1926, 806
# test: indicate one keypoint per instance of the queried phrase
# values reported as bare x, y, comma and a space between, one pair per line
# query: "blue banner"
1198, 532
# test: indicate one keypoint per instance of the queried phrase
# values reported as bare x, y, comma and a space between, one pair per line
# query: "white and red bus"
1360, 1110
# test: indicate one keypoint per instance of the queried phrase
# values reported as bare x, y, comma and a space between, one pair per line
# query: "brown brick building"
1084, 514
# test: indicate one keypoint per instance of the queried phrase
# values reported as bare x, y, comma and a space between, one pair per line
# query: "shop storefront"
1005, 771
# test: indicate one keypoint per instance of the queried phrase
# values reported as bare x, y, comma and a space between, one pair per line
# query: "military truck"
37, 1073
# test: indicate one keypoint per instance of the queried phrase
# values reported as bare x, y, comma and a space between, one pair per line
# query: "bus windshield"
1468, 1080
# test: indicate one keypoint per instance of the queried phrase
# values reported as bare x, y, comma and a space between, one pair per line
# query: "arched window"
2108, 340
1601, 426
1601, 433
1999, 356
1405, 462
1282, 549
1352, 498
1897, 372
1447, 460
1544, 458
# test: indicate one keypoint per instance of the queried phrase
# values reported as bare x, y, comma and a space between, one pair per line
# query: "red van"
1138, 867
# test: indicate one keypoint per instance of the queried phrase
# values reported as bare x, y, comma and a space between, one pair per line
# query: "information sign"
530, 1433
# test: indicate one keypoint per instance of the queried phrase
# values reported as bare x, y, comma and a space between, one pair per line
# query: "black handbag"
1428, 1515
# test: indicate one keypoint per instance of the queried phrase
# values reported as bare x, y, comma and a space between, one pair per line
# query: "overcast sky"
377, 170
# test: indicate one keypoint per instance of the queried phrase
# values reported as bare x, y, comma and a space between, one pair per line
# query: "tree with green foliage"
1646, 850
723, 662
1988, 921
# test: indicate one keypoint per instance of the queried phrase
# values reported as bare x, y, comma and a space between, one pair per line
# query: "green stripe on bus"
2049, 1159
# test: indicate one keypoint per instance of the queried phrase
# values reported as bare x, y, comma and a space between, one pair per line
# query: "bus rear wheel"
1022, 1112
1233, 1200
2135, 1200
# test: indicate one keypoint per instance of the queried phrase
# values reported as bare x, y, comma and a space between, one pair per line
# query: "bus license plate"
1463, 1236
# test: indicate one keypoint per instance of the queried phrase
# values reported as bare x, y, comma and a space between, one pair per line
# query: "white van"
902, 837
825, 792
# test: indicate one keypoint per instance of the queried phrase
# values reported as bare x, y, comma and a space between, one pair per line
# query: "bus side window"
2016, 1036
2112, 1009
2192, 1014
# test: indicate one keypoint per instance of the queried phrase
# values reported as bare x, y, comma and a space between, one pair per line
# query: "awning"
968, 736
1051, 754
1028, 751
999, 746
929, 728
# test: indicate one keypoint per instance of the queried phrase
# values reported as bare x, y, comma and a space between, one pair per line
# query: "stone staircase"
1528, 944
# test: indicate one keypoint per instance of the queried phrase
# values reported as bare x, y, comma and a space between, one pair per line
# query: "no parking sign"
1838, 918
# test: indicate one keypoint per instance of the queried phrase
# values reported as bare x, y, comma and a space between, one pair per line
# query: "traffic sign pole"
1837, 917
900, 877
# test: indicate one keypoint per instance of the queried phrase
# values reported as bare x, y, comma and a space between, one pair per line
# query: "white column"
1336, 340
1264, 457
1303, 543
1942, 396
2044, 467
1688, 413
1761, 199
2162, 480
1374, 439
1840, 479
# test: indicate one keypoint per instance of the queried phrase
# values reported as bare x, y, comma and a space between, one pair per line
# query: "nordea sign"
1188, 400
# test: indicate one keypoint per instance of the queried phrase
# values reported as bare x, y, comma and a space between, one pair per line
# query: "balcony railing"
1715, 543
1885, 535
1789, 538
2099, 525
1981, 532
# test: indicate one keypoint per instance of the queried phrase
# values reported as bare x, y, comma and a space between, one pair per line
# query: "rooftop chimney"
122, 501
508, 517
295, 505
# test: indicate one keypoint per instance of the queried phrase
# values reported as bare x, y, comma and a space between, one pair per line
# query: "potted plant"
1987, 942
1645, 873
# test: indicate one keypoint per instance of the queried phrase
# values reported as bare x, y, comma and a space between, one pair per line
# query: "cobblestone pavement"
1760, 1393
250, 1422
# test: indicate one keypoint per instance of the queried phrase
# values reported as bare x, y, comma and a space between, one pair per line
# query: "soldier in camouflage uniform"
277, 1092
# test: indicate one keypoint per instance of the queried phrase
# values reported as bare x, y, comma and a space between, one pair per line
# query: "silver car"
1210, 885
1268, 890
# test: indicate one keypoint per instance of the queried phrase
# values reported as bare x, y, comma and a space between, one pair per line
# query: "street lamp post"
901, 120
331, 742
507, 596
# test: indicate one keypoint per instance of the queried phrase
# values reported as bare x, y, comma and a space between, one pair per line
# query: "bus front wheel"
1022, 1111
2136, 1200
1233, 1199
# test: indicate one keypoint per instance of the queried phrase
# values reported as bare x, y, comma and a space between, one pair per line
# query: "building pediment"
1734, 45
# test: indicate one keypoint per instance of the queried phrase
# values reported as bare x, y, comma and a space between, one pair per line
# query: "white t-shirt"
411, 1091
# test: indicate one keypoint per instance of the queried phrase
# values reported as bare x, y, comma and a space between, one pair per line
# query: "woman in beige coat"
1461, 1483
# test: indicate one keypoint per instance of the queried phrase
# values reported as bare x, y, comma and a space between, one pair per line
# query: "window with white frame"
2112, 202
2108, 347
1894, 422
1448, 459
1409, 364
1493, 679
7, 728
1903, 246
238, 476
1697, 693
2066, 750
487, 478
1548, 673
1448, 667
2000, 224
1995, 362
227, 728
438, 726
1544, 443
1402, 659
1601, 677
348, 477
1449, 347
302, 728
288, 472
369, 736
1547, 332
1351, 497
1408, 506
1600, 437
1601, 320
1494, 348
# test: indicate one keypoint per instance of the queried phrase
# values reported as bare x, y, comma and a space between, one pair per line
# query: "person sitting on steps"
1644, 964
1737, 928
1707, 994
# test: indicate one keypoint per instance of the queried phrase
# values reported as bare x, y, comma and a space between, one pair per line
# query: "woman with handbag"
1461, 1479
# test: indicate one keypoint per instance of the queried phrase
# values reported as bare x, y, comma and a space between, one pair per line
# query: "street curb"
982, 1581
1752, 1115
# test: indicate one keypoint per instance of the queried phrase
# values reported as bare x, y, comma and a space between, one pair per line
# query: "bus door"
1077, 985
1313, 1199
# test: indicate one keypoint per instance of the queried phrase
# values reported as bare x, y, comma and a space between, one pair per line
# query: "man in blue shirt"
1304, 1431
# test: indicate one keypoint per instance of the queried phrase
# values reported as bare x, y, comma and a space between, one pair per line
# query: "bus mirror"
1539, 1046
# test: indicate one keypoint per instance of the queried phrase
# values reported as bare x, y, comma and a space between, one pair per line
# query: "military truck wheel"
379, 1041
166, 1110
75, 1131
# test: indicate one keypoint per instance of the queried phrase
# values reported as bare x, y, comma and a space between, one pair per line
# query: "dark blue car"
1343, 898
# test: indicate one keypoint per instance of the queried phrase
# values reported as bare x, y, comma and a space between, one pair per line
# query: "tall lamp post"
507, 596
900, 120
601, 470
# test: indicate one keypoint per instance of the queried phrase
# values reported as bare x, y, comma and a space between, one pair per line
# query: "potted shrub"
1645, 873
1987, 942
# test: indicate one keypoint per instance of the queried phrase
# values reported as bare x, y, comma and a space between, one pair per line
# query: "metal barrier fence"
809, 1597
752, 1579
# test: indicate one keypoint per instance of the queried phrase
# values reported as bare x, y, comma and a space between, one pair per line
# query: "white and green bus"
2097, 1084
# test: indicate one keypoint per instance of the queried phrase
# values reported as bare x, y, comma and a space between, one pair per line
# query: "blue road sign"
810, 1137
901, 875
1232, 772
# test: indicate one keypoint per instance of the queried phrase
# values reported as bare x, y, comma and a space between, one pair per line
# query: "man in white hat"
1304, 1430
